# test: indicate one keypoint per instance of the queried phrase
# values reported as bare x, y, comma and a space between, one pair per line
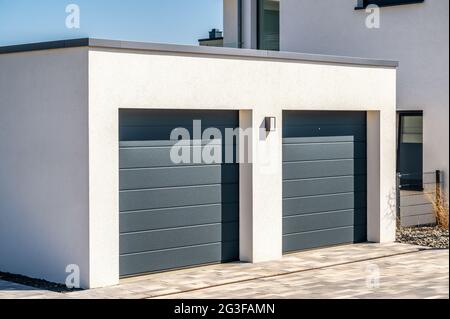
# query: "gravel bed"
433, 237
35, 283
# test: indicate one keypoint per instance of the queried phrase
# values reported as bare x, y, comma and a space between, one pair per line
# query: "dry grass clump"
440, 209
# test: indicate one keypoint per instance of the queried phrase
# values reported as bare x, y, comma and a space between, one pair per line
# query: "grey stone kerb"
196, 50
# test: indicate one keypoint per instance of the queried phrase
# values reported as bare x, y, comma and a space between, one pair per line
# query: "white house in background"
413, 32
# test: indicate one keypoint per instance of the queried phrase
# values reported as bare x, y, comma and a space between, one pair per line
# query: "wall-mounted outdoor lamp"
271, 124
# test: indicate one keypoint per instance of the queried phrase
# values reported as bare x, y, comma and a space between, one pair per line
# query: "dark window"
411, 129
362, 4
410, 150
269, 25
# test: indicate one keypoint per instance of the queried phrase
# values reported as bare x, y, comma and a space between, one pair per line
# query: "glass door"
269, 25
410, 151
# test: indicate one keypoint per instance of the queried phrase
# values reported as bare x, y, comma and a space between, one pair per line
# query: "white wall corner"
267, 187
245, 188
381, 192
103, 187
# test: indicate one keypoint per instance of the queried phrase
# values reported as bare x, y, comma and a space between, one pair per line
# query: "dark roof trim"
197, 50
45, 46
386, 3
210, 39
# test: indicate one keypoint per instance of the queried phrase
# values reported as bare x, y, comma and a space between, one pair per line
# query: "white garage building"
87, 177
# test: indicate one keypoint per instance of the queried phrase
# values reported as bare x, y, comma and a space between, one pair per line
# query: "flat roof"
196, 50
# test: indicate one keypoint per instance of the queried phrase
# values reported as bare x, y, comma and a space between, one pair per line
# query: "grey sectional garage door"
324, 179
174, 215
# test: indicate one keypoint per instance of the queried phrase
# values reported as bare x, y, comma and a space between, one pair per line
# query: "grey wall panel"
324, 179
178, 217
145, 262
175, 215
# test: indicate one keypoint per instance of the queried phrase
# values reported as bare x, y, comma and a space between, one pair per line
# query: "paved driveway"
10, 290
353, 271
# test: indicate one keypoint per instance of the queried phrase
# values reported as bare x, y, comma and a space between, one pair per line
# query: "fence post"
398, 198
438, 187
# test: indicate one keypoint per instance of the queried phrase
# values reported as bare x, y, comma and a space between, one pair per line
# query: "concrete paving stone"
405, 271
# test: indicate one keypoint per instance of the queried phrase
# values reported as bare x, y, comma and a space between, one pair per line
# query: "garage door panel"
178, 237
178, 176
168, 144
324, 179
156, 133
323, 151
316, 139
314, 204
323, 186
175, 215
176, 197
296, 170
325, 133
344, 118
322, 238
160, 156
178, 217
177, 118
322, 221
178, 258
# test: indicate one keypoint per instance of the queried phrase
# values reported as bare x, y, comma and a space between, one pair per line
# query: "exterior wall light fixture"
271, 124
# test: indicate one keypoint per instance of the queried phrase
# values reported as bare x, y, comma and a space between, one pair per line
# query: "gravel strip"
35, 283
433, 237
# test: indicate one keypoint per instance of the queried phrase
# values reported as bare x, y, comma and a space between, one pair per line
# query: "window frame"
363, 4
259, 8
401, 115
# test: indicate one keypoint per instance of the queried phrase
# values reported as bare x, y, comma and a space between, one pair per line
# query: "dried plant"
440, 209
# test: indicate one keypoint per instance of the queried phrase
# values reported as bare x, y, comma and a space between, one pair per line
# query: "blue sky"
167, 21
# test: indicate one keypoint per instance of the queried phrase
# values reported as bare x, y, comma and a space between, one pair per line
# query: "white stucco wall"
258, 88
44, 163
415, 35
